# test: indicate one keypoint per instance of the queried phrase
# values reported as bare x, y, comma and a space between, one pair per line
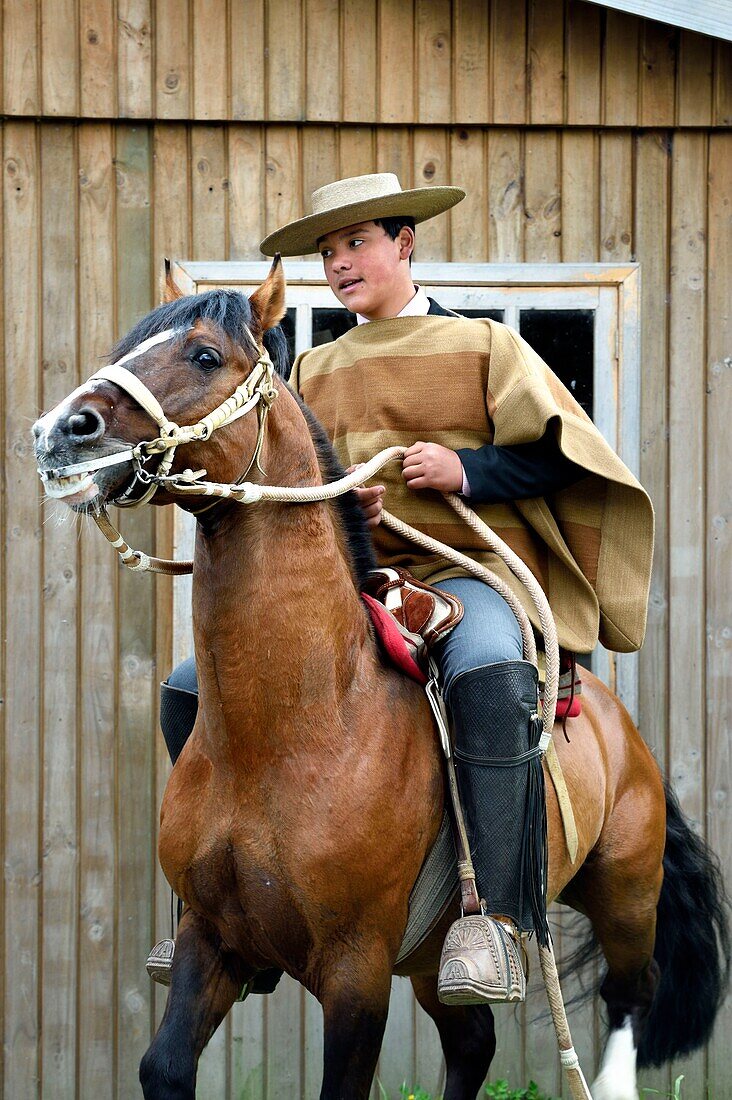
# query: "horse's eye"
207, 358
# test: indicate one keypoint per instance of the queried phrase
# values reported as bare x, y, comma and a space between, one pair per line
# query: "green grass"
501, 1090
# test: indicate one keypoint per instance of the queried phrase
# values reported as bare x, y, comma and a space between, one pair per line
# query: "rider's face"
368, 271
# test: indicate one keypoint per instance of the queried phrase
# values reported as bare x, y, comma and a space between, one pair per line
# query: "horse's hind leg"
620, 896
468, 1038
205, 982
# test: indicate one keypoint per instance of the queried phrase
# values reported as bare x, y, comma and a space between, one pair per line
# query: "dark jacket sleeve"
520, 472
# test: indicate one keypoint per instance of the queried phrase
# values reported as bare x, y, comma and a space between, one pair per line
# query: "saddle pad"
392, 642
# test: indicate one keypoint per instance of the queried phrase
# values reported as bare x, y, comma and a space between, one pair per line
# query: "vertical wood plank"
171, 238
543, 199
546, 61
137, 690
359, 77
282, 188
60, 53
397, 1058
248, 1081
60, 631
472, 62
583, 64
208, 192
355, 151
717, 536
694, 79
658, 74
434, 61
394, 152
319, 161
722, 84
210, 68
505, 196
469, 219
580, 196
509, 63
172, 59
396, 61
24, 624
620, 69
431, 167
21, 90
4, 580
285, 60
687, 399
651, 247
246, 191
97, 984
313, 1038
323, 60
247, 59
98, 58
284, 1040
616, 200
134, 58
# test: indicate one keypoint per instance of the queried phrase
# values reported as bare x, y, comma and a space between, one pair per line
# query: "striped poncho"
465, 383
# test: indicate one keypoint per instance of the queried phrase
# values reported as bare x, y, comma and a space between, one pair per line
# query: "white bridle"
258, 389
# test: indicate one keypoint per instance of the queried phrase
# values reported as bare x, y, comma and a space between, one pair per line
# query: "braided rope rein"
191, 483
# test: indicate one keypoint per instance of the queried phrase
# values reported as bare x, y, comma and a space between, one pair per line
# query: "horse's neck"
278, 623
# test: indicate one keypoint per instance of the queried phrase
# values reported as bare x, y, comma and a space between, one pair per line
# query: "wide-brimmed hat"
358, 199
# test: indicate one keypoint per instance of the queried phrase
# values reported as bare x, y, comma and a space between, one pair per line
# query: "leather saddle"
421, 614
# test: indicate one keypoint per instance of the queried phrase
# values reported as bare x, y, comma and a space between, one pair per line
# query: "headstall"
258, 390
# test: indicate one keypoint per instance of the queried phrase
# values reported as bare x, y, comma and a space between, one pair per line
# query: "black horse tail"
692, 945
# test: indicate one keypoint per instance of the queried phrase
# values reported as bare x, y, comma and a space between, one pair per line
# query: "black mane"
350, 512
228, 309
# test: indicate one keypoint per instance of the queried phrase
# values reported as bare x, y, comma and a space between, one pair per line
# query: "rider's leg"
491, 693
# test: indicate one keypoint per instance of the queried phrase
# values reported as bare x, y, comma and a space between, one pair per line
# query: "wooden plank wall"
136, 129
484, 62
89, 210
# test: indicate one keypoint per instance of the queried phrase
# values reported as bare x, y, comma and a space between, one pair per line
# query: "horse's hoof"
480, 964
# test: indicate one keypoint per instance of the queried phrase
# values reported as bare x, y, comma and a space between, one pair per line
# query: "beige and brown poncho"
465, 383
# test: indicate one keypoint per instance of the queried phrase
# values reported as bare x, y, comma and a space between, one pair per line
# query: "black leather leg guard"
497, 730
178, 710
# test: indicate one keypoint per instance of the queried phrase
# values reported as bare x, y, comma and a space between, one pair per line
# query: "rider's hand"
370, 497
430, 466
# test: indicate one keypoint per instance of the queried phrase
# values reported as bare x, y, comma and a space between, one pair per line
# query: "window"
582, 319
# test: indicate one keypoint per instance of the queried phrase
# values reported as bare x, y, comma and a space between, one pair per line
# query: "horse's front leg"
205, 982
355, 999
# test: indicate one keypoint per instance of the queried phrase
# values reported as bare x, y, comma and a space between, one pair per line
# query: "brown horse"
284, 825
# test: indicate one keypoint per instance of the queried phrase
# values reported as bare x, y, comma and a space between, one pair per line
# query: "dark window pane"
329, 324
565, 339
494, 314
287, 324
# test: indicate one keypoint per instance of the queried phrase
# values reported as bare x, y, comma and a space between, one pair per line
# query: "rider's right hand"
370, 497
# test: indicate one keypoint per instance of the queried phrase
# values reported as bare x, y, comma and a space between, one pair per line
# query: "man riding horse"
510, 437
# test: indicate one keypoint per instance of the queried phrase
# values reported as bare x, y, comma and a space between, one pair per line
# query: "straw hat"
358, 199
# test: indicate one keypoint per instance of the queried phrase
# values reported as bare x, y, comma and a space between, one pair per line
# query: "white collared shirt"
417, 306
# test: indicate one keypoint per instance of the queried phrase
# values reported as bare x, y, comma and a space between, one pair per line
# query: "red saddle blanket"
395, 647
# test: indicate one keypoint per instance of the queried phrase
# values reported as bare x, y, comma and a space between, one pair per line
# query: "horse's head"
191, 355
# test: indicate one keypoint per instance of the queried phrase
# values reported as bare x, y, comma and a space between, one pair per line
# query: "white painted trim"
612, 290
713, 17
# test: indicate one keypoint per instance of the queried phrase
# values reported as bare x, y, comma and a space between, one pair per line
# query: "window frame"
611, 290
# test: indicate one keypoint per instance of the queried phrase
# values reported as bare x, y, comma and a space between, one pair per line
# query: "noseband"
258, 389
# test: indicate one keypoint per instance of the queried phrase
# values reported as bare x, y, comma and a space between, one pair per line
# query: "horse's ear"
268, 300
171, 291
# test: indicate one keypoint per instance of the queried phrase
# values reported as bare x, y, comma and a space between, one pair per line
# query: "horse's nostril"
85, 423
37, 430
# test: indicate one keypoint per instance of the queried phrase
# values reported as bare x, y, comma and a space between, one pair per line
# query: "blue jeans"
487, 634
